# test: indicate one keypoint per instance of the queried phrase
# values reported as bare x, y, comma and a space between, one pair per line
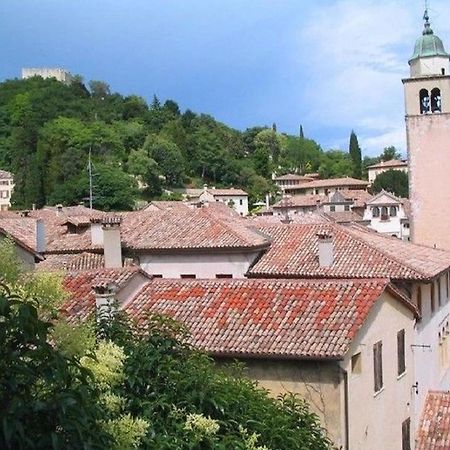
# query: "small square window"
356, 363
187, 275
224, 275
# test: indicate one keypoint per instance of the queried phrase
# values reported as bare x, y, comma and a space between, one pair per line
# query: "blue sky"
331, 65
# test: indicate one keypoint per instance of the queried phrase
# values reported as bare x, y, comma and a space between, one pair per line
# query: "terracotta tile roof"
20, 228
334, 182
346, 217
79, 286
358, 196
298, 218
72, 262
293, 176
434, 429
390, 163
264, 318
358, 253
301, 200
226, 192
160, 204
198, 228
4, 175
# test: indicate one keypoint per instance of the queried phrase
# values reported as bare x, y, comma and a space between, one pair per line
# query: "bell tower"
427, 103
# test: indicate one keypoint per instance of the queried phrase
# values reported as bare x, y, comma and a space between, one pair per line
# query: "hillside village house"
383, 166
235, 198
388, 215
324, 350
6, 189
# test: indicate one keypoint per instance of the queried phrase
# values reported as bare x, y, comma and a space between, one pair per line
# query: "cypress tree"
355, 155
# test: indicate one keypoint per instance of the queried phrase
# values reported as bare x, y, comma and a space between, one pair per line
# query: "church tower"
427, 101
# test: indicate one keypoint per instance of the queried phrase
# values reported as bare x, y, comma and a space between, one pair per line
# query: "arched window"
392, 211
424, 101
435, 100
376, 212
384, 213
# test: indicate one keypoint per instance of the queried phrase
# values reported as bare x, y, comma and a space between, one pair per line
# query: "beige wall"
316, 381
429, 167
376, 418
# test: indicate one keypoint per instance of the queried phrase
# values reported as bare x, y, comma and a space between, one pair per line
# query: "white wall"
375, 419
430, 372
201, 265
6, 189
391, 226
241, 209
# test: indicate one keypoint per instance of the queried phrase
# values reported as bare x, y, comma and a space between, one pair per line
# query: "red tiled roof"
226, 192
293, 176
79, 285
434, 429
196, 228
346, 217
164, 204
358, 253
297, 218
390, 163
301, 200
333, 182
21, 228
264, 318
358, 196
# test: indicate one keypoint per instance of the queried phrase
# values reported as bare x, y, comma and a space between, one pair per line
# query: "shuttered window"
378, 366
401, 366
406, 434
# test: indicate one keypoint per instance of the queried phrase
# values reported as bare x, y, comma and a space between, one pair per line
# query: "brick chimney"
112, 245
325, 249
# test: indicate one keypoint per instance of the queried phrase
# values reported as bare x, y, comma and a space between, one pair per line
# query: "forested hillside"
47, 130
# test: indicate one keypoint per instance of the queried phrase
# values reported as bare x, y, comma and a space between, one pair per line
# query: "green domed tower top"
428, 44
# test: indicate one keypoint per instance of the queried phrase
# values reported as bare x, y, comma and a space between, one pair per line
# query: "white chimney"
325, 246
267, 201
112, 245
96, 233
40, 236
59, 210
105, 297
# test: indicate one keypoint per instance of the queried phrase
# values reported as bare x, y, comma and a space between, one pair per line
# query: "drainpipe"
347, 422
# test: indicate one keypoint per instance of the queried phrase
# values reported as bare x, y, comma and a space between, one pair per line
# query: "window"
401, 366
392, 211
224, 275
384, 213
157, 275
432, 294
435, 100
406, 434
241, 202
187, 275
332, 208
378, 366
419, 299
443, 71
356, 363
424, 101
346, 207
376, 212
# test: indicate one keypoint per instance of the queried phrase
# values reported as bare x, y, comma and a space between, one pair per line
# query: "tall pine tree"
302, 135
355, 155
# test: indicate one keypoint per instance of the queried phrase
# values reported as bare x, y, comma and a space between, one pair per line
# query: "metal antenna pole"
90, 179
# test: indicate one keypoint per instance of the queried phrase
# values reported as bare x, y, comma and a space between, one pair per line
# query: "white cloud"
356, 54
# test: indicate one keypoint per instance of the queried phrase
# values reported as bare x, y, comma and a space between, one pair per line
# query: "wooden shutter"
401, 367
406, 434
378, 366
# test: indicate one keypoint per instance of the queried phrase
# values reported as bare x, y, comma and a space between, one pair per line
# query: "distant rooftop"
390, 163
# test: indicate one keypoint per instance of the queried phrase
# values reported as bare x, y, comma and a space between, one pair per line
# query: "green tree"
99, 89
336, 164
47, 399
390, 153
394, 181
355, 155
